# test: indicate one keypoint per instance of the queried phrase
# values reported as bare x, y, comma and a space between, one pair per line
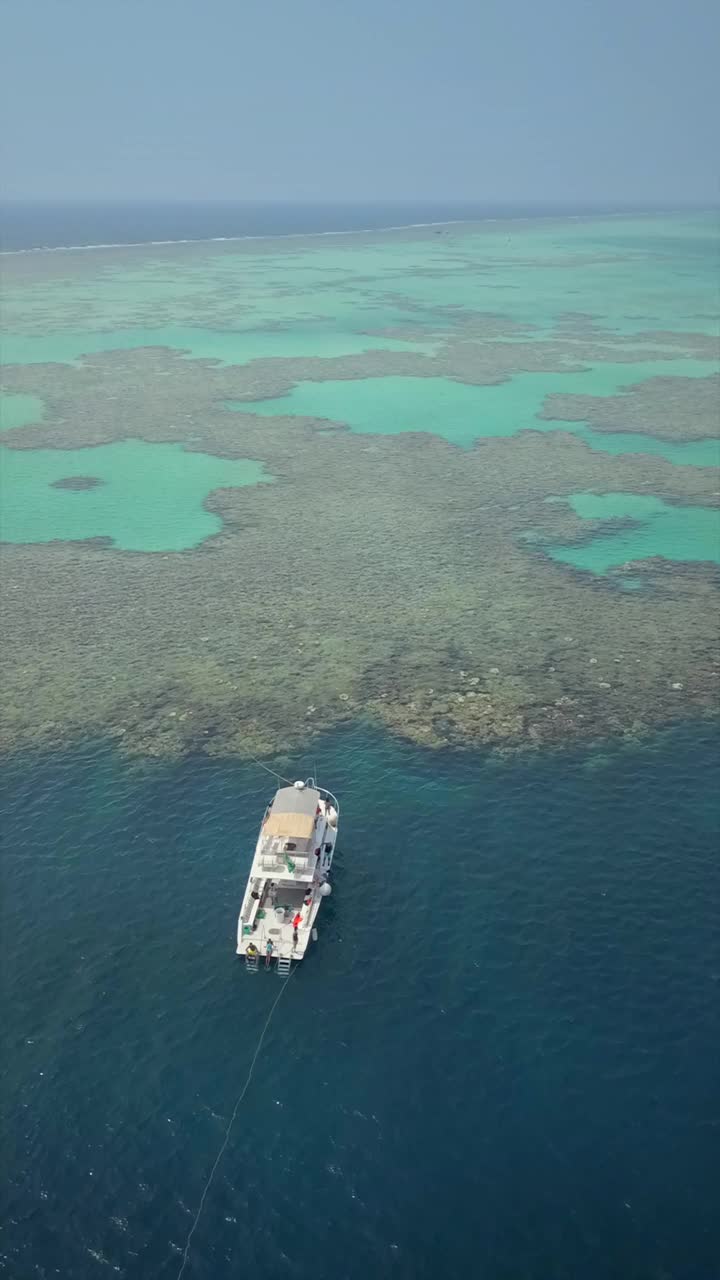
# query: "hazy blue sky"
346, 99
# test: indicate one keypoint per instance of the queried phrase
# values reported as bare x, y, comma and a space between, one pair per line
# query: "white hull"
289, 876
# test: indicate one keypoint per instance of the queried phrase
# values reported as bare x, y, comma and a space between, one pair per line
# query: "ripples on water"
499, 1061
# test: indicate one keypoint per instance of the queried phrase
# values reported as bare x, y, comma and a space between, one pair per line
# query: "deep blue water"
500, 1061
35, 225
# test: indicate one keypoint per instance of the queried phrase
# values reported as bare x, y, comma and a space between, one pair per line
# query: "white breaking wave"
284, 235
353, 231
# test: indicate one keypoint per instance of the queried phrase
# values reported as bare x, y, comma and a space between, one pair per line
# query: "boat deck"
274, 924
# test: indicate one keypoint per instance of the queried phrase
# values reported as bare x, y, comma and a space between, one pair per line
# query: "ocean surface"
500, 1059
42, 224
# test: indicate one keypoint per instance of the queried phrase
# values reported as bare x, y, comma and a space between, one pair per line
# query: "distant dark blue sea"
500, 1060
37, 225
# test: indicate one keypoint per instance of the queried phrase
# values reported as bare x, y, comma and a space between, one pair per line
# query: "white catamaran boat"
289, 877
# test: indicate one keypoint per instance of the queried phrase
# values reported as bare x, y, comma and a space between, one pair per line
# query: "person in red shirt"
296, 924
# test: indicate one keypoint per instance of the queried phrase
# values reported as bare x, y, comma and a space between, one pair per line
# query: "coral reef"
399, 588
77, 483
394, 577
671, 408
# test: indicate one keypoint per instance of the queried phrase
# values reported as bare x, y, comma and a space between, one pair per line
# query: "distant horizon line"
327, 202
557, 214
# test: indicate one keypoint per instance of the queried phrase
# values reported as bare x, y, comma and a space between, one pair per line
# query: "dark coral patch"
77, 482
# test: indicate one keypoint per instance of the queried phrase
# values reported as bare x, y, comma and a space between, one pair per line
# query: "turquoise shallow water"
500, 1059
151, 496
677, 533
463, 414
227, 347
629, 274
563, 281
690, 453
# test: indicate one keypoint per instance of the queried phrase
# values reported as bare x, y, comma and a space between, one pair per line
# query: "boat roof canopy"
293, 813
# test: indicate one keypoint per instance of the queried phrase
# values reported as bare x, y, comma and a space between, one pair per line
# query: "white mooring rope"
226, 1139
267, 769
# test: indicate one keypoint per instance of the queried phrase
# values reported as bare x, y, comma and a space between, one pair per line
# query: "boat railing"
278, 867
252, 903
325, 794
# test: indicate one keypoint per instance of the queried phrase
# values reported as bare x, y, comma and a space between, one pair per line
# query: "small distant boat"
289, 877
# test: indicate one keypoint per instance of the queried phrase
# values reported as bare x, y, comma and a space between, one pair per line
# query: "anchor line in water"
273, 772
228, 1131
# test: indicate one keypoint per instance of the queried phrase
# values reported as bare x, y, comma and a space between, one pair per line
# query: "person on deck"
296, 925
